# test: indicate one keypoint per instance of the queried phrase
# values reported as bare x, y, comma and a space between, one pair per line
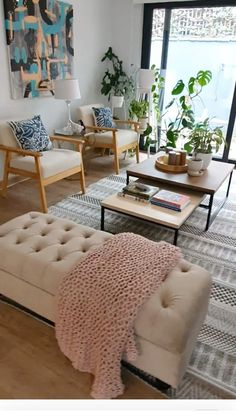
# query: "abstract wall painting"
39, 37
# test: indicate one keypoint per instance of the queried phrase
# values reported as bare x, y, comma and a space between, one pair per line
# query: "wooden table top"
153, 213
209, 182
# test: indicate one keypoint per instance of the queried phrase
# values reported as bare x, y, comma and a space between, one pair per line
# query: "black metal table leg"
102, 217
209, 212
230, 178
127, 179
176, 237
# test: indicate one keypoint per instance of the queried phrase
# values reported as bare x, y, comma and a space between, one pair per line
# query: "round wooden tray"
161, 165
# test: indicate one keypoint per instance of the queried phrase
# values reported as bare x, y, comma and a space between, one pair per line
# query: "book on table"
139, 190
171, 200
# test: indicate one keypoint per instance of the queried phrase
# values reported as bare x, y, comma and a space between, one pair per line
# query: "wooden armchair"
46, 167
116, 139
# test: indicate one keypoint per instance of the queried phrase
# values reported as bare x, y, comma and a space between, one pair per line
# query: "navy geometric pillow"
103, 117
31, 134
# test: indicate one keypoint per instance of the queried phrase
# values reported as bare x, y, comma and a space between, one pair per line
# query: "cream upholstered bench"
37, 250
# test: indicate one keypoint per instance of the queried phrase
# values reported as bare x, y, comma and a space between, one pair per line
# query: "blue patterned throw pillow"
103, 117
31, 134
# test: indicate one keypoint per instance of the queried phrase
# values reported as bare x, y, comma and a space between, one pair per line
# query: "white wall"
92, 32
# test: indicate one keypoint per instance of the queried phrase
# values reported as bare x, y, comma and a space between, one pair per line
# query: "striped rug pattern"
212, 369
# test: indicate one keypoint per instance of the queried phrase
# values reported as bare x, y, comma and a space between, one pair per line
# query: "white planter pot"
194, 167
206, 158
143, 123
117, 101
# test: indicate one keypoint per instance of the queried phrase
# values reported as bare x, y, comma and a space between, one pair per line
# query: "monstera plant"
183, 97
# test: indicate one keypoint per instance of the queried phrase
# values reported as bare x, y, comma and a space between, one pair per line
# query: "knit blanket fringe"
98, 301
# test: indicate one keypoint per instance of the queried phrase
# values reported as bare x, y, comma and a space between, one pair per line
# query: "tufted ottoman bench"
37, 250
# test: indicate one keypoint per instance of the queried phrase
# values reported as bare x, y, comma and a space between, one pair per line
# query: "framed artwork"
39, 36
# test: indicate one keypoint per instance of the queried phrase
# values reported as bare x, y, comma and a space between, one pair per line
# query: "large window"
185, 39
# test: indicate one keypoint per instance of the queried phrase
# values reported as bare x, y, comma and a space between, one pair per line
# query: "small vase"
194, 167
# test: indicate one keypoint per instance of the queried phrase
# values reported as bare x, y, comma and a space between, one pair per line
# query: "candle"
183, 156
177, 158
172, 158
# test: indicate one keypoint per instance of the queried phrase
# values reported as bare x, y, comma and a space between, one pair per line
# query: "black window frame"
146, 48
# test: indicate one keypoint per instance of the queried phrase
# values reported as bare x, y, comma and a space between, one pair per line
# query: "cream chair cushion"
52, 162
123, 136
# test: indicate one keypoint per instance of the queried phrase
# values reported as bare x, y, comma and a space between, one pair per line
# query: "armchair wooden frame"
37, 175
117, 150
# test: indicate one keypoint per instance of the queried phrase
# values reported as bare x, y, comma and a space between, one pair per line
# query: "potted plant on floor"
203, 140
116, 84
184, 96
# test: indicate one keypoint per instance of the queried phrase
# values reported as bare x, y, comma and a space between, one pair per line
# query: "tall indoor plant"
183, 98
115, 82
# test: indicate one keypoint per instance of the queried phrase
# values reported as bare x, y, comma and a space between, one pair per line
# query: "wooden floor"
31, 364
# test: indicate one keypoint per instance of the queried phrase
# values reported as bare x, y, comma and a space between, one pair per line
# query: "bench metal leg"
102, 218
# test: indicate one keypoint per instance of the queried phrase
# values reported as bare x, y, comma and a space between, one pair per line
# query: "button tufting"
25, 227
37, 250
184, 270
18, 242
50, 221
58, 259
68, 228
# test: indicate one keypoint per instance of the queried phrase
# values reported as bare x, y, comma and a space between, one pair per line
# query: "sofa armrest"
128, 121
66, 139
20, 151
95, 128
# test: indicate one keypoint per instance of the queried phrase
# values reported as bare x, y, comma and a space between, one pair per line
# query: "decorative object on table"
203, 140
162, 163
40, 45
31, 134
116, 81
68, 90
140, 190
183, 101
195, 167
170, 200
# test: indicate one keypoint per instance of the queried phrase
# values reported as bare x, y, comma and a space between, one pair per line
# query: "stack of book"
138, 191
171, 200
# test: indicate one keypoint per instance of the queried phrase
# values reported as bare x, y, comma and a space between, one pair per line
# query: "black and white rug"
212, 369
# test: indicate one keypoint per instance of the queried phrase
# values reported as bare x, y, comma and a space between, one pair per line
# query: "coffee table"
152, 213
207, 184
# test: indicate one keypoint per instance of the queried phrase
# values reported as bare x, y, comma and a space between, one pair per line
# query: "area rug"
212, 369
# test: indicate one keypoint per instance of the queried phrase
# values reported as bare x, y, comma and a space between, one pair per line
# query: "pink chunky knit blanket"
98, 301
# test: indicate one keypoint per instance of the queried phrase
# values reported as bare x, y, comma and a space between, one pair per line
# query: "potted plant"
138, 110
183, 99
116, 84
203, 140
148, 138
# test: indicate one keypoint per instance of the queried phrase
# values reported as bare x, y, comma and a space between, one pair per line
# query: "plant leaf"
204, 77
191, 85
179, 87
